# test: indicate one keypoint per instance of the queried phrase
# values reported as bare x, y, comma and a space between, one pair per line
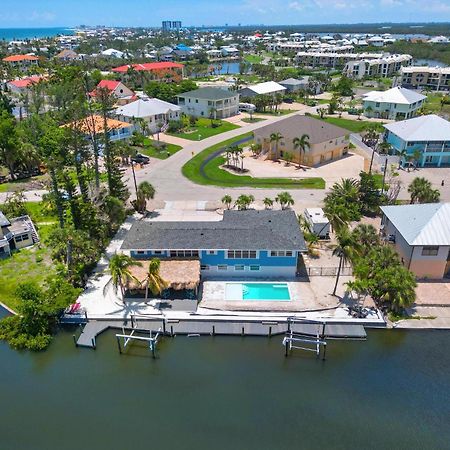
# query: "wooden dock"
217, 327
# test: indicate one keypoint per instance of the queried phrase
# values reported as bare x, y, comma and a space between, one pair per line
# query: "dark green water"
390, 392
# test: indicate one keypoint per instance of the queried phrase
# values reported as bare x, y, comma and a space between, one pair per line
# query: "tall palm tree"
347, 188
276, 138
119, 267
366, 236
346, 249
402, 154
337, 216
421, 191
154, 282
302, 145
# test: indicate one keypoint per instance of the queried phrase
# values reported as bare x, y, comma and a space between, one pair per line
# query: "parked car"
288, 100
139, 158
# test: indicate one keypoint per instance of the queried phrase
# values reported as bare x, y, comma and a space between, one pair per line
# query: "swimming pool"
257, 291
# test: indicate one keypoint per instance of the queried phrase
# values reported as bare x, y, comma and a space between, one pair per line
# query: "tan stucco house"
327, 141
421, 236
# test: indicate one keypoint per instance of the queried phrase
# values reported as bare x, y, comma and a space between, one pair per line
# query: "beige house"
421, 236
326, 141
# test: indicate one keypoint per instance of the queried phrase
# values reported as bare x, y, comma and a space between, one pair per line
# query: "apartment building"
384, 67
435, 78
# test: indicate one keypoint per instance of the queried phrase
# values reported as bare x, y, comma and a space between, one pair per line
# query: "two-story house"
17, 233
421, 236
209, 102
243, 244
429, 135
395, 104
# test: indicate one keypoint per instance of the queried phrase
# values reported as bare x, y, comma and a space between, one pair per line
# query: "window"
254, 268
237, 254
281, 253
239, 267
211, 252
18, 238
140, 252
158, 252
222, 267
196, 100
184, 253
430, 250
204, 267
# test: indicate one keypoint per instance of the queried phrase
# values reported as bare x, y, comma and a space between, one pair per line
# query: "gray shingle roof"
209, 93
295, 126
293, 82
4, 222
246, 230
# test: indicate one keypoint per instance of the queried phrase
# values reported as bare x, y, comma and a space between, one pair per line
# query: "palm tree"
421, 191
268, 203
227, 201
244, 201
366, 236
346, 249
347, 188
276, 138
337, 216
302, 145
154, 283
119, 267
285, 200
145, 191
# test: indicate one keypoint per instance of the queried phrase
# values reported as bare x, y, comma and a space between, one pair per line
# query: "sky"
47, 13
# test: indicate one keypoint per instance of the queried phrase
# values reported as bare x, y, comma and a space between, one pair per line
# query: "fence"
327, 271
378, 159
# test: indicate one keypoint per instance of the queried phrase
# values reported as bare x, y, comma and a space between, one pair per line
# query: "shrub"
175, 126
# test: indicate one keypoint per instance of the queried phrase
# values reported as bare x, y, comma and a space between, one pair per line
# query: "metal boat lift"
300, 340
127, 338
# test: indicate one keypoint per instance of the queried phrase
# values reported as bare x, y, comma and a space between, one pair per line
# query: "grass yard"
201, 171
355, 126
254, 59
255, 119
280, 112
152, 150
433, 105
203, 129
28, 264
24, 184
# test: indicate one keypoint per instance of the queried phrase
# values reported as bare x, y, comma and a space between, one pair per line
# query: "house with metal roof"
326, 141
243, 244
397, 103
209, 102
421, 236
16, 233
429, 135
153, 111
266, 88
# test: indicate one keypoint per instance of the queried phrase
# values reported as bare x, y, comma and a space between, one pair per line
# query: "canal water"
391, 391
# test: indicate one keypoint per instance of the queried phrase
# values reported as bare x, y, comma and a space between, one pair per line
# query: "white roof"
146, 107
316, 215
112, 52
267, 88
397, 95
427, 224
422, 128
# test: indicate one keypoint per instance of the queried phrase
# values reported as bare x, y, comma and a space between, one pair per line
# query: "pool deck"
302, 298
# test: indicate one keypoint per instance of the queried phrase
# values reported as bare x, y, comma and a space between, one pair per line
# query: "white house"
395, 104
113, 53
118, 90
421, 236
207, 101
267, 88
154, 111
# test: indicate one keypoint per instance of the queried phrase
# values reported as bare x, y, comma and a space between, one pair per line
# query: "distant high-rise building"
171, 25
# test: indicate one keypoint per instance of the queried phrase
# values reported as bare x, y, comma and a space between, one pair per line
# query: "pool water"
258, 291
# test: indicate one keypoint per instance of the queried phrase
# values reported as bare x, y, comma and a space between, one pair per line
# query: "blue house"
243, 244
430, 135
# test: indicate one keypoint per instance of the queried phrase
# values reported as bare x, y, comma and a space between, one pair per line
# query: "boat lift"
303, 341
127, 338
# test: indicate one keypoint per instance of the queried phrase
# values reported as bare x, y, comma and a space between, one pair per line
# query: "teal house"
429, 135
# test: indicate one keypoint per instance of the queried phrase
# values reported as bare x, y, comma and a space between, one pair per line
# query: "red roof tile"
148, 67
16, 58
25, 82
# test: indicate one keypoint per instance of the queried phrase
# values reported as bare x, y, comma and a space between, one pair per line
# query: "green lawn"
355, 126
203, 130
253, 120
152, 150
433, 105
20, 184
253, 59
280, 112
28, 264
213, 175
